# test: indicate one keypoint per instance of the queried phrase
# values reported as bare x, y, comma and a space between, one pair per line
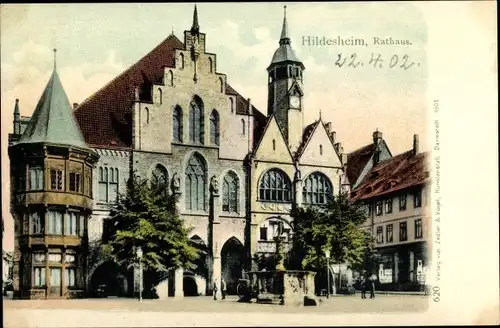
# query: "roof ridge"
88, 99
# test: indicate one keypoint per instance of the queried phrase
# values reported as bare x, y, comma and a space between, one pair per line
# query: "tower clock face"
294, 101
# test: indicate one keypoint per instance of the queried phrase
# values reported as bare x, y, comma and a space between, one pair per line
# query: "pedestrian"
372, 285
215, 290
362, 282
223, 288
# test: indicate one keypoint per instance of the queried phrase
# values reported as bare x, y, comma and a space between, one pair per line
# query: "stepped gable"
357, 161
399, 172
105, 117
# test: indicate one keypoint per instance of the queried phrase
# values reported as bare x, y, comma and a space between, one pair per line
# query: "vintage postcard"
249, 164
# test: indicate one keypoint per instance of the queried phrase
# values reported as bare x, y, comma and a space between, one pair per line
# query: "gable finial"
320, 114
172, 29
196, 27
284, 39
55, 58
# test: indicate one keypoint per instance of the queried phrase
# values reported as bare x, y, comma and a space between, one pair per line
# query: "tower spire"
284, 39
196, 27
55, 58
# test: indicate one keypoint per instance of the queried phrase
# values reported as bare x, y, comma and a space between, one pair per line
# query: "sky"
96, 42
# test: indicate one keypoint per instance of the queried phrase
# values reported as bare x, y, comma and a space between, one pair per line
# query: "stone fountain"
281, 286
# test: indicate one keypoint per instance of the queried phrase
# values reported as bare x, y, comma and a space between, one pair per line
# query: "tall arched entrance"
233, 261
109, 279
194, 281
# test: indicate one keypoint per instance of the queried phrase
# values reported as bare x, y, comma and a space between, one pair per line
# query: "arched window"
210, 65
317, 189
231, 104
274, 144
177, 124
242, 126
196, 183
196, 121
160, 96
181, 58
230, 192
221, 84
275, 186
214, 128
147, 115
159, 179
170, 78
321, 149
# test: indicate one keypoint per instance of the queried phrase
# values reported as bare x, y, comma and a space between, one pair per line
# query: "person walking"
372, 285
215, 290
223, 288
362, 282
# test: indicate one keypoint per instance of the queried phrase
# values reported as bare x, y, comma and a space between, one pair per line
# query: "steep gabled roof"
264, 128
306, 136
399, 172
106, 117
357, 160
53, 120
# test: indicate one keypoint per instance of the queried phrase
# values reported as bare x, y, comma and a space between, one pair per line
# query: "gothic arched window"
196, 183
159, 179
214, 128
196, 121
317, 189
210, 65
231, 104
181, 64
170, 78
275, 186
242, 126
160, 96
230, 191
147, 115
177, 124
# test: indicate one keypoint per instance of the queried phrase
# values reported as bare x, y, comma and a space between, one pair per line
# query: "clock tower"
285, 90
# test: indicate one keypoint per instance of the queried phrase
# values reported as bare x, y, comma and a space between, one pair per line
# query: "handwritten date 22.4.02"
376, 61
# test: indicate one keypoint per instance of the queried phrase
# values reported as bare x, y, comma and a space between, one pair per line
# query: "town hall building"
172, 117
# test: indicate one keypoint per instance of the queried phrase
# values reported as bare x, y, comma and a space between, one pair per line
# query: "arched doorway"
233, 261
109, 279
190, 285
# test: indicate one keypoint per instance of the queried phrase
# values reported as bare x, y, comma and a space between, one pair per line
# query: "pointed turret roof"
285, 52
195, 28
53, 120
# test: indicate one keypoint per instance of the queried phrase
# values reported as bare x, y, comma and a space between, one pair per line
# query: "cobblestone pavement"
191, 308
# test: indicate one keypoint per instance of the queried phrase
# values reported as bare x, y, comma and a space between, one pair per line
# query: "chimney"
415, 144
333, 135
328, 127
377, 137
17, 118
75, 105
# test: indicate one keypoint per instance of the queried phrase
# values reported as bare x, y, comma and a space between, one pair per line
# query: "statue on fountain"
279, 238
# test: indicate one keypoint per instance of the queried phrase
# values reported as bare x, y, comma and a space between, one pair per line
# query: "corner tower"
51, 200
285, 89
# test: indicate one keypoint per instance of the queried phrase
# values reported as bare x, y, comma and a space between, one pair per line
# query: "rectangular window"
378, 208
39, 277
402, 202
417, 199
55, 223
113, 191
388, 205
81, 226
55, 258
70, 225
70, 277
37, 223
39, 258
403, 231
418, 229
55, 277
36, 178
56, 180
380, 235
69, 258
388, 233
263, 233
75, 182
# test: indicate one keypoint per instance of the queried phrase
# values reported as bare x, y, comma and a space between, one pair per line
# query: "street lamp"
327, 255
139, 256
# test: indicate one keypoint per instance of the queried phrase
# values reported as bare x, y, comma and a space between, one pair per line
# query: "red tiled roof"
356, 161
399, 172
105, 118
